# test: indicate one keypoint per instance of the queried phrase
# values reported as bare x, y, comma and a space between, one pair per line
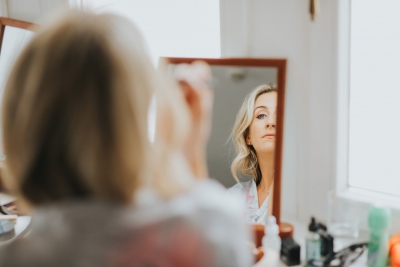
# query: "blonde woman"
253, 136
78, 156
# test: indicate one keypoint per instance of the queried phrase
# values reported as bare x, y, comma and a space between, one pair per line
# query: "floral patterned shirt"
248, 192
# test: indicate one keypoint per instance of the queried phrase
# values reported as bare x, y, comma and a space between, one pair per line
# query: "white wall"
322, 147
30, 10
177, 28
3, 8
283, 28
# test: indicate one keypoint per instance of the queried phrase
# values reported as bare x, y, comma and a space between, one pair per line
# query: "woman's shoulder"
204, 196
210, 196
240, 187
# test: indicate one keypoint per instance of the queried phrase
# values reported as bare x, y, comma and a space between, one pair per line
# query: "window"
374, 99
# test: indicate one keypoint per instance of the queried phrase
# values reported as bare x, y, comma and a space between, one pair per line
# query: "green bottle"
379, 223
313, 242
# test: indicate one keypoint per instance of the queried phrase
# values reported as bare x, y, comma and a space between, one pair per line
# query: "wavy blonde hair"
245, 161
74, 115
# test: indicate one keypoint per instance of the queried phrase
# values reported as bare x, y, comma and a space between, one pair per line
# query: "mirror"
14, 35
234, 79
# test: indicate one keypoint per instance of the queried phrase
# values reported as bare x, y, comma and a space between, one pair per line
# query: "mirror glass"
14, 40
252, 92
231, 85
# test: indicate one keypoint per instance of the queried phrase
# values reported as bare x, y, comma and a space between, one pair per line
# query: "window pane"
374, 138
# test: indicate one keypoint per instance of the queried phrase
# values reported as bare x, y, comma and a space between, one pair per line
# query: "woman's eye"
261, 116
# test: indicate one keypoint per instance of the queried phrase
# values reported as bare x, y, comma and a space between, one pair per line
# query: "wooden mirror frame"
280, 65
13, 23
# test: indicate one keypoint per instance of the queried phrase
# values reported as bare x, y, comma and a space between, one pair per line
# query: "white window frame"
342, 123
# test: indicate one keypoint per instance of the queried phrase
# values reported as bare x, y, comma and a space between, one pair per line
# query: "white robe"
248, 192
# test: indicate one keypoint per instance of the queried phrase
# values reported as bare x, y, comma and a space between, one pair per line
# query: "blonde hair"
74, 114
245, 161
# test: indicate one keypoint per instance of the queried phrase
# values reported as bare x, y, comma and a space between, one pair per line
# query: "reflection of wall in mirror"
231, 86
14, 40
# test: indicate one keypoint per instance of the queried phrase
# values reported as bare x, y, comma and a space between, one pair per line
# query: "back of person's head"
74, 113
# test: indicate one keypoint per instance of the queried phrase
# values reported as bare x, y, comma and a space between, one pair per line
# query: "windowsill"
372, 198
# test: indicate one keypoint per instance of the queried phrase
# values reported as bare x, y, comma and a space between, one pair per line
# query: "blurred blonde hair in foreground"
74, 115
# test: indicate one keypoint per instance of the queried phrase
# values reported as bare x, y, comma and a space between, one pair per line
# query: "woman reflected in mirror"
253, 136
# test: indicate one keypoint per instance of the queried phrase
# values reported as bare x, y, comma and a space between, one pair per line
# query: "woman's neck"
267, 167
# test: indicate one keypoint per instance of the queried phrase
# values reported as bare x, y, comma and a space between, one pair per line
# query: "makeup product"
327, 245
290, 252
394, 250
271, 242
378, 247
271, 237
313, 242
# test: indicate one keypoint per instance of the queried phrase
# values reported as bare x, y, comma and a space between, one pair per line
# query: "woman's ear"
248, 141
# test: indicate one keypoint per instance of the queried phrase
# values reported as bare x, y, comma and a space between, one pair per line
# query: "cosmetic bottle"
327, 241
394, 250
378, 247
271, 242
271, 237
313, 242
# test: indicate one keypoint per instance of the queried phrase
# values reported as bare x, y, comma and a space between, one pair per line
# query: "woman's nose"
271, 122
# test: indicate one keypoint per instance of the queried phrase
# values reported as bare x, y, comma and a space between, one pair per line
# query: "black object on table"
290, 252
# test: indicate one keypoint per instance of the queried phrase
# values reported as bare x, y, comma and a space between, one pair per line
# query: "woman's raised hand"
195, 82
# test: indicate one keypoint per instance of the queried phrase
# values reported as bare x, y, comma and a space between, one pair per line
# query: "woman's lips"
269, 136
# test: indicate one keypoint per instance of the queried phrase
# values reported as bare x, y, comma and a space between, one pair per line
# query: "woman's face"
262, 128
